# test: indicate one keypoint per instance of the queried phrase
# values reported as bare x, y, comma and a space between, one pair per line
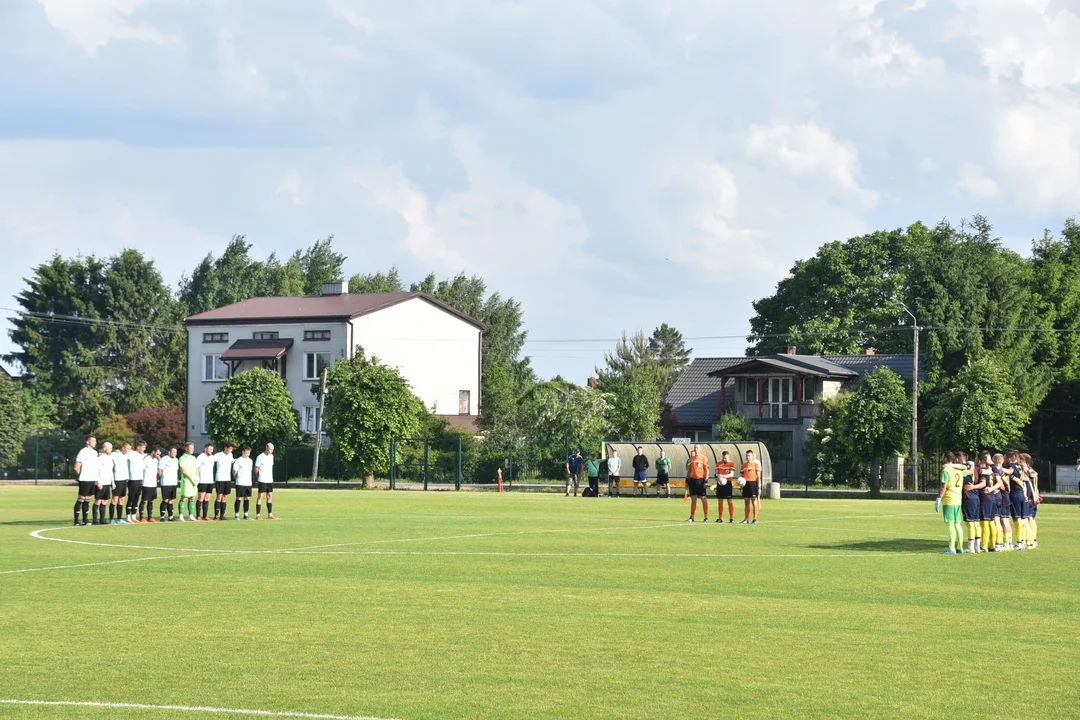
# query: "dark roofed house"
436, 347
779, 394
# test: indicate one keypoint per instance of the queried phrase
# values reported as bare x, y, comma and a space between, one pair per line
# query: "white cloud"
95, 23
974, 181
927, 165
241, 74
809, 150
499, 225
293, 186
1037, 148
351, 14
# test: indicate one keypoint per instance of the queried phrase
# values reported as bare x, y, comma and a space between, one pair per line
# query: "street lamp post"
914, 404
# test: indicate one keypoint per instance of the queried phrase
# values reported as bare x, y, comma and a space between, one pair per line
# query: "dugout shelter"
680, 453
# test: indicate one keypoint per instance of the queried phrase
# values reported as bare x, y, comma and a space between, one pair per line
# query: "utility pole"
914, 404
318, 429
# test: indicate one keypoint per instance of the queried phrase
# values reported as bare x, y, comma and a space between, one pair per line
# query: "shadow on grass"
38, 523
896, 545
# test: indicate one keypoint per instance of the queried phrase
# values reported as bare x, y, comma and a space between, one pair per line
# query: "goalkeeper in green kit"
189, 477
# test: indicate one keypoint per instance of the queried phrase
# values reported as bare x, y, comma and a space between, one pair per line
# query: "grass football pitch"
463, 605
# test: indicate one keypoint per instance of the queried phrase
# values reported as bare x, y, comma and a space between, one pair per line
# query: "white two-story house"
436, 348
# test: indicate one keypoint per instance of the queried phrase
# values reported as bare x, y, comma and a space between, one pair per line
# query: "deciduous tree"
367, 404
252, 408
979, 410
12, 422
877, 420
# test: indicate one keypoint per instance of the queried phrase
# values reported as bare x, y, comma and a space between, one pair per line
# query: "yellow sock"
1033, 529
1017, 531
987, 534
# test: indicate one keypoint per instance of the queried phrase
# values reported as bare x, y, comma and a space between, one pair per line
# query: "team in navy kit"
1000, 501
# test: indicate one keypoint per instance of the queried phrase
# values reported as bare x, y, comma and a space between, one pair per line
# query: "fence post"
37, 448
458, 483
510, 480
286, 467
425, 462
393, 463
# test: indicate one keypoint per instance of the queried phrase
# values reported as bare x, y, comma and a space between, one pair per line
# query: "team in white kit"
131, 476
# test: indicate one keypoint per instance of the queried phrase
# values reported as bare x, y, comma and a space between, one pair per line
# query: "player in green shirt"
592, 471
949, 501
189, 472
663, 466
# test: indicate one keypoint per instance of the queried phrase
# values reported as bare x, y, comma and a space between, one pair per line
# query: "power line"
75, 320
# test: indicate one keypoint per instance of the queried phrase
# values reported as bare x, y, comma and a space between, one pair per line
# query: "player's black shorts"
243, 491
149, 493
102, 493
662, 479
86, 489
223, 488
988, 508
972, 509
1016, 504
750, 489
269, 487
206, 487
725, 491
121, 489
168, 492
136, 491
696, 488
1029, 510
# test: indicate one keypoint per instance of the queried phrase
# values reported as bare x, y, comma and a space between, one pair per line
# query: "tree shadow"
895, 545
39, 523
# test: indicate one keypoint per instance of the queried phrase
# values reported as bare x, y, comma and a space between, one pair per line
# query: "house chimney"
333, 289
792, 350
869, 351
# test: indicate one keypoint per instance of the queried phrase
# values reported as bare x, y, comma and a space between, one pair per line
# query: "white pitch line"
484, 535
36, 534
106, 562
596, 555
187, 708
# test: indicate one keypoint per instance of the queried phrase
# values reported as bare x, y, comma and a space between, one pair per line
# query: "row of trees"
102, 340
1000, 343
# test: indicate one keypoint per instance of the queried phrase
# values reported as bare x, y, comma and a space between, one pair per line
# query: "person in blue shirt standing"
574, 463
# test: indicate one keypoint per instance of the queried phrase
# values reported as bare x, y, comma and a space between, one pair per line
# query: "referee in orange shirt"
697, 479
751, 492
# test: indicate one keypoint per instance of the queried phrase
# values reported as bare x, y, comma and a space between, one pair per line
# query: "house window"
809, 389
779, 396
214, 369
463, 402
204, 430
314, 362
316, 335
265, 335
215, 337
311, 419
751, 394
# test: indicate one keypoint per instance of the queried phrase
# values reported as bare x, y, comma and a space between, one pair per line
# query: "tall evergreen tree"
321, 265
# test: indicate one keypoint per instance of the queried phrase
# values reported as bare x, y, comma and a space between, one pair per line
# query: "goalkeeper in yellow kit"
949, 502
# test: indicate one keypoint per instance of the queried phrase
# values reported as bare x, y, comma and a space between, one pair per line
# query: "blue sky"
612, 164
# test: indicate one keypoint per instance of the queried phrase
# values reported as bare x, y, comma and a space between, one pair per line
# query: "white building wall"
201, 392
436, 351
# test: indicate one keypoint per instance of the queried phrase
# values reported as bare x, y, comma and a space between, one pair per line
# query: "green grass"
462, 605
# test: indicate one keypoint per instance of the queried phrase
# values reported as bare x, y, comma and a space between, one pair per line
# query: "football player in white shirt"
121, 476
104, 485
242, 474
148, 493
135, 464
264, 475
223, 480
86, 466
206, 482
169, 474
